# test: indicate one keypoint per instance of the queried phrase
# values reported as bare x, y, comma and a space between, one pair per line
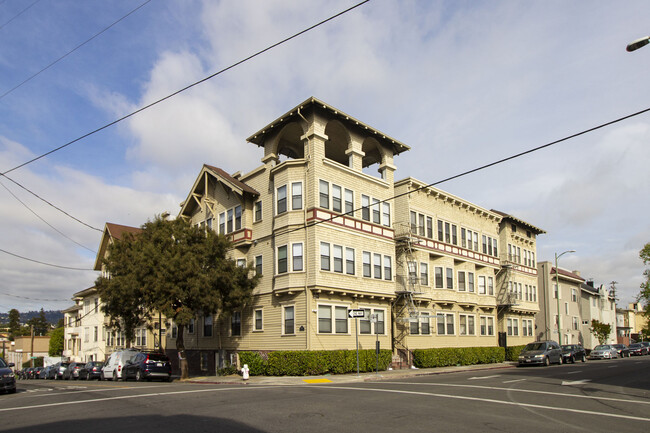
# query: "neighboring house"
72, 332
93, 343
517, 292
23, 348
566, 299
327, 235
630, 322
596, 304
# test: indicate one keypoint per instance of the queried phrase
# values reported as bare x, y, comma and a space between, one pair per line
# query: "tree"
644, 294
600, 330
56, 342
173, 268
40, 324
14, 322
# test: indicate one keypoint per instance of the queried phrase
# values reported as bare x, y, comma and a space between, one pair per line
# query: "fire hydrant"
244, 372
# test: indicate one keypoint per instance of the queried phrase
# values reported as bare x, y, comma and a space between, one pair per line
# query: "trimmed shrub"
255, 362
512, 353
449, 356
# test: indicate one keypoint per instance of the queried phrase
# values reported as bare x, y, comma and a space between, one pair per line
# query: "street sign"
356, 313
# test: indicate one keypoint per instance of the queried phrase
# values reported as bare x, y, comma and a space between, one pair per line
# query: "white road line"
574, 372
66, 391
489, 400
455, 385
511, 381
483, 377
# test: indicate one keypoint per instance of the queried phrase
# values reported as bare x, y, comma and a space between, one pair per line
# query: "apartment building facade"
319, 222
559, 315
596, 303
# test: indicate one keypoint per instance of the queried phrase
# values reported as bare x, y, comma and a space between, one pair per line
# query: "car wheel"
101, 376
573, 359
561, 360
115, 379
138, 376
584, 358
547, 362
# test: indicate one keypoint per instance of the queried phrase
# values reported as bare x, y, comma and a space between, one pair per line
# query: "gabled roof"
258, 137
85, 292
514, 219
566, 274
221, 176
111, 231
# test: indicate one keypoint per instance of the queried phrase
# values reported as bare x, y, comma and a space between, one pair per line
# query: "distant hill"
51, 316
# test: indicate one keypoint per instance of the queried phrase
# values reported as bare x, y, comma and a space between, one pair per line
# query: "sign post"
374, 319
356, 313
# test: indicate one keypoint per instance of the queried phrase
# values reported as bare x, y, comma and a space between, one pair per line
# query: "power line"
71, 51
187, 87
50, 204
19, 14
44, 263
34, 299
42, 219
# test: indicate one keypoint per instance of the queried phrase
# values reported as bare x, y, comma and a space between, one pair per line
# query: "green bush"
512, 353
313, 362
449, 356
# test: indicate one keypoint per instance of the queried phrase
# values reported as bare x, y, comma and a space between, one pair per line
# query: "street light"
557, 286
635, 45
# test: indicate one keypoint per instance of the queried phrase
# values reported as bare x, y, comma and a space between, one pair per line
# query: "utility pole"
31, 355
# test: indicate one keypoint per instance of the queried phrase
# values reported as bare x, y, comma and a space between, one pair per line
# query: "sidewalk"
344, 378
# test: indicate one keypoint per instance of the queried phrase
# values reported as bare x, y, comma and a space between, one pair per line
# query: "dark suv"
573, 352
541, 352
147, 366
7, 377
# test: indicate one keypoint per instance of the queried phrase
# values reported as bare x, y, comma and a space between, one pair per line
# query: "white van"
113, 366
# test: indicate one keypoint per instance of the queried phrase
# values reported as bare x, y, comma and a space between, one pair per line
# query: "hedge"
449, 356
512, 353
313, 362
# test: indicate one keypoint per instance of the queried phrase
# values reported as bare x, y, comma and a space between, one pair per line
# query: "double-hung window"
490, 286
336, 198
349, 202
296, 196
438, 277
238, 217
385, 217
289, 320
466, 324
258, 265
337, 256
282, 259
258, 320
377, 266
376, 214
235, 324
324, 256
281, 204
424, 274
207, 326
324, 194
481, 285
341, 320
258, 211
450, 278
366, 264
430, 227
365, 207
379, 324
425, 324
461, 281
445, 322
222, 223
388, 268
349, 261
296, 257
230, 221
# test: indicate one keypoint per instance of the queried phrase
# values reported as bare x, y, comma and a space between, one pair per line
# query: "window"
470, 282
207, 326
366, 264
257, 212
341, 318
237, 217
235, 324
463, 237
365, 207
414, 222
349, 202
487, 325
481, 285
445, 323
566, 308
349, 261
96, 335
365, 325
421, 225
388, 268
281, 204
430, 227
190, 327
296, 195
454, 236
222, 223
441, 236
438, 277
555, 292
324, 319
447, 233
376, 216
475, 241
379, 324
450, 278
574, 296
324, 194
424, 274
484, 238
466, 324
461, 281
336, 198
324, 256
258, 320
414, 326
385, 217
490, 286
258, 265
282, 259
296, 257
527, 327
229, 221
377, 266
289, 320
425, 324
337, 255
413, 272
241, 263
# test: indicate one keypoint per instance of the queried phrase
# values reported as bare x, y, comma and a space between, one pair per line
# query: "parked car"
573, 352
112, 369
622, 350
22, 374
637, 349
72, 371
92, 370
44, 372
7, 377
58, 372
604, 351
541, 352
51, 374
29, 373
36, 373
147, 366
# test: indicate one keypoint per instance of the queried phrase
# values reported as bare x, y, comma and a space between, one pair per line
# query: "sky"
463, 83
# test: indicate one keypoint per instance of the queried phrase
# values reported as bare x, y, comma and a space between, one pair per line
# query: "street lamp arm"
635, 45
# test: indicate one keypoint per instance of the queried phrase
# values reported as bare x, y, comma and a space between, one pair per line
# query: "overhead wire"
44, 263
42, 219
19, 14
34, 299
73, 50
133, 113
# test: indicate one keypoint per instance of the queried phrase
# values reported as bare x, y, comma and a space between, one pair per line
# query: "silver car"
541, 352
604, 351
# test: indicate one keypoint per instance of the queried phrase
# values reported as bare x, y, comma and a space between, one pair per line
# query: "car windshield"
535, 346
602, 347
635, 345
157, 357
2, 363
568, 347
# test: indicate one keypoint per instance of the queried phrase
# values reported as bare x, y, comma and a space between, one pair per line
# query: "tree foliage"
644, 294
40, 323
56, 342
174, 268
14, 322
600, 330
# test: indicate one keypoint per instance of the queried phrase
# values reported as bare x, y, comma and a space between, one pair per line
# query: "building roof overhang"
508, 217
111, 231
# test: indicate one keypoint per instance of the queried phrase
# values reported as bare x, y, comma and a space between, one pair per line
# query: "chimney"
576, 272
590, 283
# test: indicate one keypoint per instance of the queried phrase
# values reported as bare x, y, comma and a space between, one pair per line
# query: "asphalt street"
594, 396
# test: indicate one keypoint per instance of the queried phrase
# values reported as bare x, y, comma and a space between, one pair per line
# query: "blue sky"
463, 83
